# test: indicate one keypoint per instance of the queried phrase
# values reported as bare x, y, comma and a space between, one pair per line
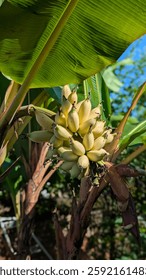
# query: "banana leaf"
137, 131
94, 35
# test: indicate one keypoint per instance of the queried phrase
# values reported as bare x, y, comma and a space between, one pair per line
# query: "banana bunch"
77, 133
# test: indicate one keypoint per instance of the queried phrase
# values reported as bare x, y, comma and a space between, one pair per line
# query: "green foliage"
133, 133
82, 40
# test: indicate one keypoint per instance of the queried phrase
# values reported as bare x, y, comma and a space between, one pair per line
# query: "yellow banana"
40, 136
99, 143
75, 171
109, 136
66, 91
67, 165
88, 140
95, 113
60, 118
3, 153
77, 106
95, 155
66, 107
61, 132
86, 126
99, 128
73, 97
84, 110
83, 161
73, 120
44, 120
77, 147
56, 142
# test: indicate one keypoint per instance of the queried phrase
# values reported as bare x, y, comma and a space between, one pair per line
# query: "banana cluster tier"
77, 134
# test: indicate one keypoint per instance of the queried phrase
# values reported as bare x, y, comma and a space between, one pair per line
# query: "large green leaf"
95, 35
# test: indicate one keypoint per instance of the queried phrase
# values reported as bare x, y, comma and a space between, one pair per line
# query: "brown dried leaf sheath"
130, 218
118, 185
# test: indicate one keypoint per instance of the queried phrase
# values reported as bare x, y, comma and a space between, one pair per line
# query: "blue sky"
137, 51
139, 45
132, 76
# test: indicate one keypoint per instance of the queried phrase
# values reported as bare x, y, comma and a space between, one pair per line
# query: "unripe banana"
95, 155
56, 142
75, 171
67, 165
83, 161
63, 149
66, 143
86, 126
99, 128
73, 120
77, 147
40, 136
61, 132
44, 120
66, 107
87, 171
73, 98
69, 156
95, 113
51, 153
60, 118
84, 172
45, 111
84, 110
99, 143
3, 153
66, 91
88, 140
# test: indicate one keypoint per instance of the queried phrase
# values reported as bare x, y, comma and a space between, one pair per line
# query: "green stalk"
25, 121
18, 100
114, 150
134, 154
9, 96
85, 86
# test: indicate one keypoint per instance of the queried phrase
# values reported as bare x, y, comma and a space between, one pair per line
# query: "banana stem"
19, 98
133, 155
9, 96
11, 133
50, 173
86, 89
113, 146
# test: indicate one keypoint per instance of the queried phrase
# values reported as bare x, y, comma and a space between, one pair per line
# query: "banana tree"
55, 43
59, 42
87, 149
76, 42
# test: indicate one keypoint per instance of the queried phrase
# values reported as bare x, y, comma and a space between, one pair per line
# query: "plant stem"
114, 151
50, 173
9, 96
19, 98
133, 155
